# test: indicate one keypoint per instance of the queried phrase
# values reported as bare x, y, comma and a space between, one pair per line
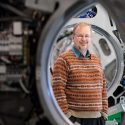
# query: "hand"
104, 115
105, 118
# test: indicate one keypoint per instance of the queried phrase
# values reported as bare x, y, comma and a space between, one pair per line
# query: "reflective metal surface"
48, 39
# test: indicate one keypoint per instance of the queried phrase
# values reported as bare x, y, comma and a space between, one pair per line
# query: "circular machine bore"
47, 41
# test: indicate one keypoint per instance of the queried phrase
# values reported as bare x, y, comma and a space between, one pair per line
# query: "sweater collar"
79, 54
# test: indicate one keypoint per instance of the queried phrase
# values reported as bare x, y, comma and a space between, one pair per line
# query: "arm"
104, 111
104, 99
59, 83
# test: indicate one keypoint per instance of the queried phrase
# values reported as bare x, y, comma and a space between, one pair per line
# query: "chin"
83, 48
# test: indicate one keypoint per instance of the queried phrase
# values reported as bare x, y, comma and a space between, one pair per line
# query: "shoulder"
66, 54
63, 56
95, 56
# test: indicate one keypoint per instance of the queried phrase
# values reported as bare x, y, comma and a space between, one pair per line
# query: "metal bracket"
43, 5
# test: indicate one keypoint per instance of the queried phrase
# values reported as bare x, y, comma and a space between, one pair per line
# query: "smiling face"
82, 36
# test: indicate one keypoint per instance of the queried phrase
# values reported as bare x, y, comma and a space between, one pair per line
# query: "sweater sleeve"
104, 99
104, 111
59, 83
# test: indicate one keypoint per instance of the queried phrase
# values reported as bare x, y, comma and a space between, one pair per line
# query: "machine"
32, 35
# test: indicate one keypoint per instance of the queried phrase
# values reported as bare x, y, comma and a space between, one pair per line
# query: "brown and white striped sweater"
79, 84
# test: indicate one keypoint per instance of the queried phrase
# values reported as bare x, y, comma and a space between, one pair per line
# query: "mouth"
84, 44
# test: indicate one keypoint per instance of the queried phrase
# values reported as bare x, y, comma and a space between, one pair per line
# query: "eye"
79, 35
87, 36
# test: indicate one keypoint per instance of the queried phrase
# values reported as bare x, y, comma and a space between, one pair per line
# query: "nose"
83, 38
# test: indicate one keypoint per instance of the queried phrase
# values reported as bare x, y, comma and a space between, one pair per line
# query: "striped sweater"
79, 84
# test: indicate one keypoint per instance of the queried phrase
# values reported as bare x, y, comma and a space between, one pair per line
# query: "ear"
72, 36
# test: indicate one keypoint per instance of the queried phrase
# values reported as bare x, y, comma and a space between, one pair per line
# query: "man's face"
82, 37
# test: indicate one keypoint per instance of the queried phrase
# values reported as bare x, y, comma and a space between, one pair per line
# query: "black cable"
5, 19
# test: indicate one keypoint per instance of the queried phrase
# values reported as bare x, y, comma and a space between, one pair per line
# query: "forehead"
83, 29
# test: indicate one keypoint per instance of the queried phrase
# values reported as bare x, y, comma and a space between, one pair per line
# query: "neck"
80, 49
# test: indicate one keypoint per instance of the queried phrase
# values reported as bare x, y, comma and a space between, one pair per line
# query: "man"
78, 81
